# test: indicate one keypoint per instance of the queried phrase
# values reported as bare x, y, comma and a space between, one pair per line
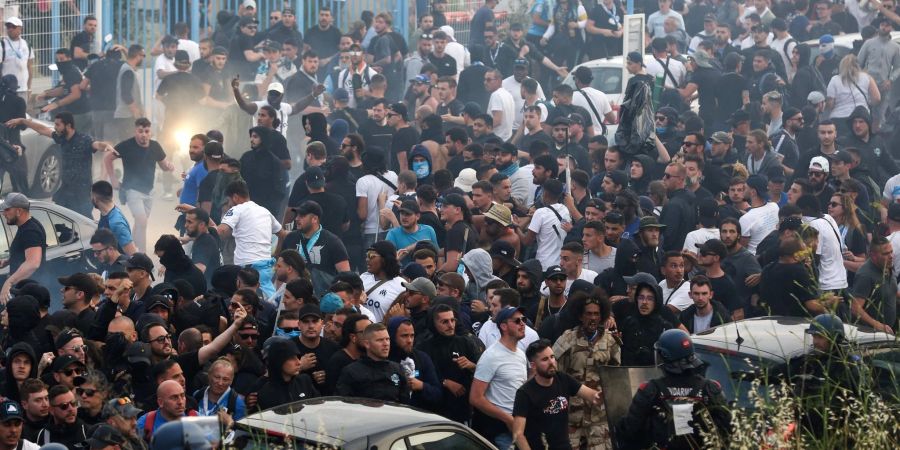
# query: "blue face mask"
420, 168
661, 130
288, 334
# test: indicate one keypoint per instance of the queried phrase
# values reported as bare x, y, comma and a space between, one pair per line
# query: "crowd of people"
457, 239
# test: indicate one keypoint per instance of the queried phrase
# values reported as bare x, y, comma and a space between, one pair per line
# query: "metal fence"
47, 25
51, 24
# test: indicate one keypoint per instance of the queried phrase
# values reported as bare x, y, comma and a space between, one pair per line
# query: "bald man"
124, 325
171, 401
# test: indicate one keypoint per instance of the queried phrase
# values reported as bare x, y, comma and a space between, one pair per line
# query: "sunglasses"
689, 144
78, 348
71, 372
667, 176
661, 118
426, 36
66, 405
97, 252
162, 339
834, 204
85, 392
518, 320
249, 336
290, 329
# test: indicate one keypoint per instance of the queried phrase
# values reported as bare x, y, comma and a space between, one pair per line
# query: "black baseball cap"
553, 272
399, 109
410, 206
714, 247
454, 200
504, 251
140, 261
315, 177
308, 207
81, 281
310, 310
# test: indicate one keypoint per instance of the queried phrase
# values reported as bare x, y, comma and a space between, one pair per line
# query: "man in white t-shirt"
676, 292
571, 260
762, 218
500, 371
165, 63
499, 299
656, 20
369, 188
546, 225
708, 216
832, 274
595, 102
661, 61
275, 99
381, 281
252, 228
18, 56
513, 85
501, 106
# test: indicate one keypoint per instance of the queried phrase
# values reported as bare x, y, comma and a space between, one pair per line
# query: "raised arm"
38, 127
249, 108
304, 102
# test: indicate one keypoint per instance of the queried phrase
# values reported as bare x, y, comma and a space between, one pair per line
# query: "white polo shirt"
252, 227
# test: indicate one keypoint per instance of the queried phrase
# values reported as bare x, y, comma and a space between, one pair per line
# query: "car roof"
325, 419
846, 40
613, 61
777, 338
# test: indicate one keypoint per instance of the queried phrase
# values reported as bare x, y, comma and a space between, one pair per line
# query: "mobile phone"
454, 355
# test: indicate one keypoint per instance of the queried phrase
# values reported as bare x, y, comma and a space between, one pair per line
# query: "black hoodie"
442, 350
10, 388
264, 174
875, 158
274, 390
318, 125
611, 279
430, 395
24, 316
532, 298
179, 265
640, 332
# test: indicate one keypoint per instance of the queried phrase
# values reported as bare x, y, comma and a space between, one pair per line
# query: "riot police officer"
670, 411
828, 376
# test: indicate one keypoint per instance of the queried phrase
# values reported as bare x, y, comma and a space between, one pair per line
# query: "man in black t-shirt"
314, 350
28, 249
320, 248
404, 139
541, 409
140, 155
81, 43
205, 251
446, 64
181, 92
242, 52
461, 237
334, 207
67, 95
101, 77
375, 130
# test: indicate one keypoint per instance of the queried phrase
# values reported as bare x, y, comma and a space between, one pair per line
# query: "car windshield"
607, 80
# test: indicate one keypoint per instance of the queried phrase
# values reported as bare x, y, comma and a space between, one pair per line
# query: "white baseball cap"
277, 87
820, 163
249, 4
14, 21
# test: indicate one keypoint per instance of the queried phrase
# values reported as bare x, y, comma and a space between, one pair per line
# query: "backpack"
151, 417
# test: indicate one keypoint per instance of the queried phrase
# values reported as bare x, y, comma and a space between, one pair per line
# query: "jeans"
266, 269
503, 441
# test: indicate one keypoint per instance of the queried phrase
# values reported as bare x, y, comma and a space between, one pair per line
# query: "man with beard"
784, 142
205, 251
528, 284
417, 365
77, 151
412, 65
450, 108
647, 240
64, 427
581, 351
827, 144
27, 251
454, 358
741, 265
762, 217
540, 409
196, 174
121, 415
819, 170
351, 348
376, 131
874, 288
566, 144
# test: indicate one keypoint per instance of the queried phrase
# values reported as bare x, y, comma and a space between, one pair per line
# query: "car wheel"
47, 174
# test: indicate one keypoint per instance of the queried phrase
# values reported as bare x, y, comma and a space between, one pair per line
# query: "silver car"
68, 241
